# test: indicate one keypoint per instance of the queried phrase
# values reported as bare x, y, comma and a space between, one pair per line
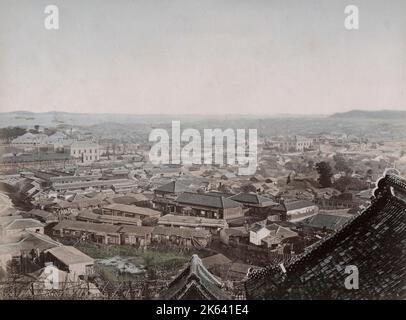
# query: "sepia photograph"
175, 150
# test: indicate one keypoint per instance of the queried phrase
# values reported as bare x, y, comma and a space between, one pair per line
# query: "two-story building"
85, 151
194, 222
165, 196
296, 210
208, 206
254, 202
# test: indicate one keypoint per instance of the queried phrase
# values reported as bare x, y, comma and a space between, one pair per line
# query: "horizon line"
202, 114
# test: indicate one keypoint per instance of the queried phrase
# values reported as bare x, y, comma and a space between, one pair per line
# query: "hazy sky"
202, 56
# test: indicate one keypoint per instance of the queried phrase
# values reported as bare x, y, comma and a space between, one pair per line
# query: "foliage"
223, 188
325, 174
156, 257
50, 131
2, 273
248, 188
349, 183
11, 133
341, 164
105, 251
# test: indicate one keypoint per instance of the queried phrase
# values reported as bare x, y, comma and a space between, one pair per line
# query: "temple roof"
195, 282
374, 242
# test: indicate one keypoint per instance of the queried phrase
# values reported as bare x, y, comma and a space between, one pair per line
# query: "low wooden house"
214, 225
87, 231
70, 259
139, 236
209, 206
181, 236
130, 211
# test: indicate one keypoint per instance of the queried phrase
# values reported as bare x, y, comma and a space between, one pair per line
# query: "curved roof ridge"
389, 178
384, 218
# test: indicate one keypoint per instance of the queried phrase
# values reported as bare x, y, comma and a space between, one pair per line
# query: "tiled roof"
240, 267
172, 187
70, 255
298, 204
206, 200
30, 240
195, 281
41, 213
88, 184
63, 204
328, 221
21, 224
35, 157
130, 199
181, 232
279, 231
191, 221
133, 209
4, 221
85, 202
137, 230
86, 226
252, 198
220, 194
86, 215
237, 231
256, 227
374, 242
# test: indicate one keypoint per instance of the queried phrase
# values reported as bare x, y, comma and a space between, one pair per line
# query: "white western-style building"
86, 151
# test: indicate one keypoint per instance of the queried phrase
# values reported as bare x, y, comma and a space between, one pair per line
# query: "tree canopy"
11, 133
325, 174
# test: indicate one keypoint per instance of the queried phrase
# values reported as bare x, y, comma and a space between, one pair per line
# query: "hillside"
380, 115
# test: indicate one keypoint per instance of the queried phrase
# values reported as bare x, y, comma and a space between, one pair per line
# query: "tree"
49, 131
11, 133
248, 188
150, 263
310, 164
2, 273
348, 183
341, 164
223, 188
325, 174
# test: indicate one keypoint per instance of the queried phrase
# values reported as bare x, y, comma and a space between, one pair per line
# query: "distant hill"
380, 114
20, 112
